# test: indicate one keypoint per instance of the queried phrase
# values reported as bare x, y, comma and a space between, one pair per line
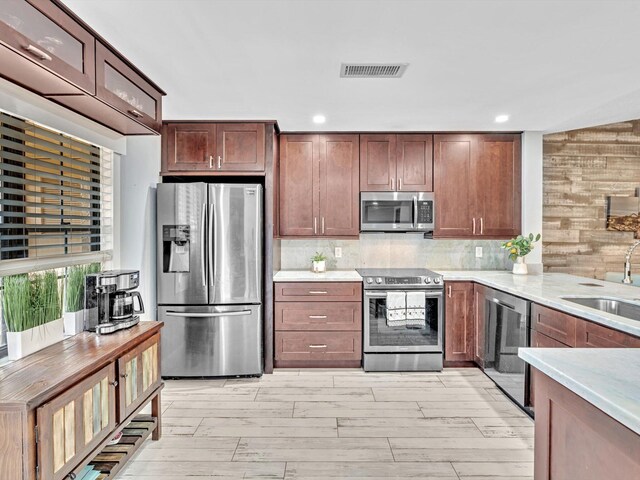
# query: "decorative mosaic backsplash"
396, 251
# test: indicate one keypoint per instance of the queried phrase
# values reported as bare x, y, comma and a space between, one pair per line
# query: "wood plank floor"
337, 425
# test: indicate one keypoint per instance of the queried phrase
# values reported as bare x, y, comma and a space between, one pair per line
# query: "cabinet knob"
124, 375
114, 383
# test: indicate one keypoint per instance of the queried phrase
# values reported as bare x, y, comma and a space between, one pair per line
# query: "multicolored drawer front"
74, 423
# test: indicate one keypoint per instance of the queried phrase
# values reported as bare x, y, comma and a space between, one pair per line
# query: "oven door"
379, 337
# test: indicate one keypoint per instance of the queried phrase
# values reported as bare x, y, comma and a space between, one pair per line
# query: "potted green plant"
74, 297
518, 248
33, 312
319, 263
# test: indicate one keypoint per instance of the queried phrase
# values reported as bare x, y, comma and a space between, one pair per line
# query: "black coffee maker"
109, 301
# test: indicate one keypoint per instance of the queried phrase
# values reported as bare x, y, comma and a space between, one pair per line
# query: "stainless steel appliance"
108, 301
507, 328
402, 348
396, 212
210, 278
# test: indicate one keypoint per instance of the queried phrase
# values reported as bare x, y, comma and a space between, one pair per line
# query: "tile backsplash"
396, 251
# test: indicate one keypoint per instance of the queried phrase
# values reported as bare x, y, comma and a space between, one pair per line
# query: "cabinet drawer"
540, 340
318, 292
139, 375
590, 334
318, 316
319, 346
556, 325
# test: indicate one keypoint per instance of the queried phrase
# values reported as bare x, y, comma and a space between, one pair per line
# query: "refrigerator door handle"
236, 313
203, 241
210, 246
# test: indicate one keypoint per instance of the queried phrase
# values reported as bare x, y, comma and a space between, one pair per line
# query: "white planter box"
73, 322
21, 344
319, 267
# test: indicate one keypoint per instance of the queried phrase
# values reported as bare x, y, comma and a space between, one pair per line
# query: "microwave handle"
415, 212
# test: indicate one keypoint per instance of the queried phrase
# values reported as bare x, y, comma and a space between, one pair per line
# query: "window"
55, 200
55, 197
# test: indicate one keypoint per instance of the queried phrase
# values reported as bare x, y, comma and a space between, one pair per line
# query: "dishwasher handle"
235, 313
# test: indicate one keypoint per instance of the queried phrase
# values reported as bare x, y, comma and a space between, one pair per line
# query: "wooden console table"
60, 407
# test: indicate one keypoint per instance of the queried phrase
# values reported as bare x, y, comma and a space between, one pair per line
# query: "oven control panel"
435, 281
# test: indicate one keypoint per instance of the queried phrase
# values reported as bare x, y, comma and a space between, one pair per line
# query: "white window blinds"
55, 198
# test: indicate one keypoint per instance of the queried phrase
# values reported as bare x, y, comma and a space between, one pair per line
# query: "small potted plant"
33, 312
518, 248
319, 263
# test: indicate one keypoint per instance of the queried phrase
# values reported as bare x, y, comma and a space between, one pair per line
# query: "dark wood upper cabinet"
47, 39
209, 148
414, 163
120, 86
395, 163
299, 177
453, 156
377, 163
497, 178
188, 146
240, 147
339, 178
319, 177
459, 322
477, 185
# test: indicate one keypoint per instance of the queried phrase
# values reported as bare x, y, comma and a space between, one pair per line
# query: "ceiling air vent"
372, 70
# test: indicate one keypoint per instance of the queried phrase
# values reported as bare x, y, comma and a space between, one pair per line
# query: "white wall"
136, 220
532, 193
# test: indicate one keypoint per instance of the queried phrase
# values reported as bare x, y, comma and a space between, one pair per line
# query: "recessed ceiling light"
502, 118
319, 119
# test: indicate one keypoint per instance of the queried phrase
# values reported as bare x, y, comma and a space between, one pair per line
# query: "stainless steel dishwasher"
507, 321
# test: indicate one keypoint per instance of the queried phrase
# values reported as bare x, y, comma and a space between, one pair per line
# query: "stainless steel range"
403, 319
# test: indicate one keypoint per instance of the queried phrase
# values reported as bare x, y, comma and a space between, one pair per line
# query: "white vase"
73, 322
520, 268
21, 344
319, 267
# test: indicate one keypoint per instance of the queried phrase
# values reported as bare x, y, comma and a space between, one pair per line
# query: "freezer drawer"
211, 341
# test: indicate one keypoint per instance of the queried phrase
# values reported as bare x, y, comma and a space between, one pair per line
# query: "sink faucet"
627, 263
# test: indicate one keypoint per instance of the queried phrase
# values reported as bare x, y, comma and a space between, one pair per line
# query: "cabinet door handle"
323, 225
219, 162
210, 161
481, 225
474, 226
318, 346
37, 52
317, 292
449, 291
315, 225
135, 113
399, 184
392, 184
114, 383
317, 317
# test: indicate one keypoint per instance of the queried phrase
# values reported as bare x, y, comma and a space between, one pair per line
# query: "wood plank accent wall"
581, 168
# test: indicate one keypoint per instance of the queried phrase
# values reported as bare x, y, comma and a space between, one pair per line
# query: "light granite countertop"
309, 276
546, 289
608, 378
549, 288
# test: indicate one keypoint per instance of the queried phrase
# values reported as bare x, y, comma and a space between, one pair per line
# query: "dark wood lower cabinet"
318, 324
58, 407
576, 440
459, 333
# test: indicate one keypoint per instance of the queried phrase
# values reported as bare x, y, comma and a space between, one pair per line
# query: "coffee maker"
109, 301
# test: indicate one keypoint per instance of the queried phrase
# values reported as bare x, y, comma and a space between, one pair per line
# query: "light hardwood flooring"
339, 424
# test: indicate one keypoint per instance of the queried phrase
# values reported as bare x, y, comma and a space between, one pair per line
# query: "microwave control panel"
425, 211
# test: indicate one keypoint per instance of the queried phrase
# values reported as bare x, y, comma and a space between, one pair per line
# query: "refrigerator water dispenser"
176, 246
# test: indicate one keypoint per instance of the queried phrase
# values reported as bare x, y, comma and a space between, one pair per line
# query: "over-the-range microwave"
396, 212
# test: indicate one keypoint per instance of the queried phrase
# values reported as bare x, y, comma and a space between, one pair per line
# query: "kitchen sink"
615, 306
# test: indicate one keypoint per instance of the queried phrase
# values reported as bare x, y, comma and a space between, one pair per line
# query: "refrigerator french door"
210, 278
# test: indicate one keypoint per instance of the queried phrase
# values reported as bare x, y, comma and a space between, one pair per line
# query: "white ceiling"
550, 64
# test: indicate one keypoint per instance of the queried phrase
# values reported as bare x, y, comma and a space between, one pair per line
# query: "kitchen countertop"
608, 378
309, 276
549, 288
546, 289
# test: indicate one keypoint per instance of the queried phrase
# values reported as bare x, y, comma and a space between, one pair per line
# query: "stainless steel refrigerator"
210, 278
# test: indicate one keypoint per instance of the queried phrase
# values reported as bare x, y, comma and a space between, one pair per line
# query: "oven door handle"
428, 293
